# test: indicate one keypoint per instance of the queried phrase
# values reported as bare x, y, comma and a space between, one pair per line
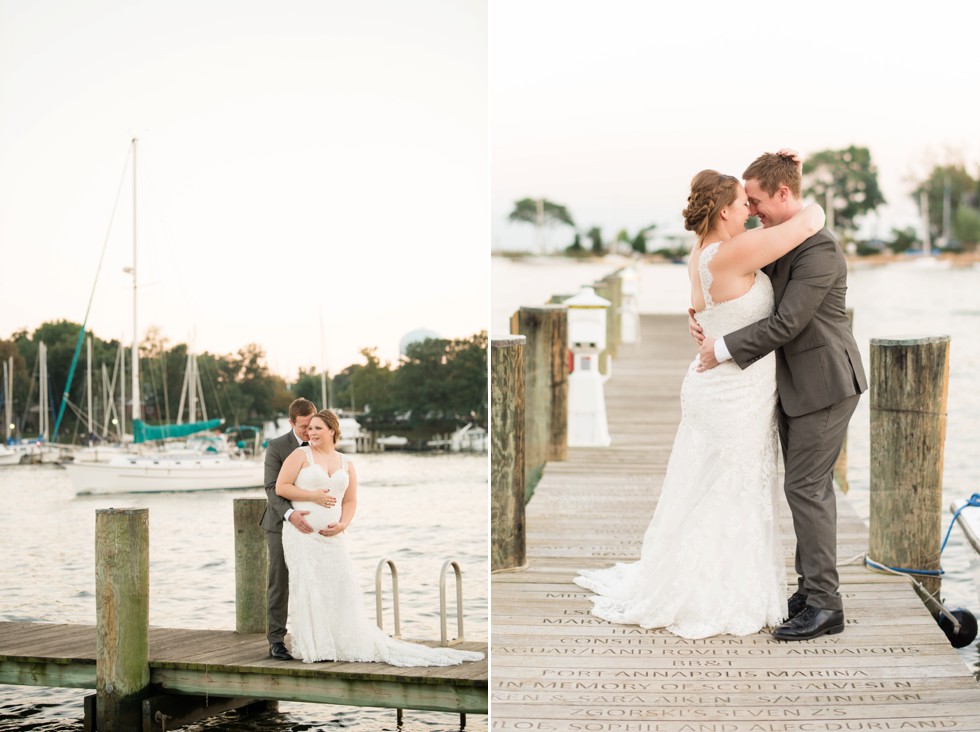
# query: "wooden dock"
156, 679
557, 667
228, 664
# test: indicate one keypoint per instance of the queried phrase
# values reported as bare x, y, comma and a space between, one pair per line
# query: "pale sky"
611, 108
296, 157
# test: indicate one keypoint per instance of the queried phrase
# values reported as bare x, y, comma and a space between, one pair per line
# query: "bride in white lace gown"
326, 606
712, 562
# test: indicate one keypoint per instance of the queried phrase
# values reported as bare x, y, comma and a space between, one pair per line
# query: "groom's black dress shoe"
278, 651
813, 622
795, 605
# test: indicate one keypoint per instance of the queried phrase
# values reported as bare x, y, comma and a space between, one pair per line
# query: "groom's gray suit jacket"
817, 359
276, 452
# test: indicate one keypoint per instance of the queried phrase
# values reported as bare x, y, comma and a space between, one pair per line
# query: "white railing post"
394, 592
459, 603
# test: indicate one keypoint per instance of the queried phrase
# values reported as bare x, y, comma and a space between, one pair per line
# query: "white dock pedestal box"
587, 425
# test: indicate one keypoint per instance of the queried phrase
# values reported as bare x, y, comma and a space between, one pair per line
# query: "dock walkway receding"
557, 667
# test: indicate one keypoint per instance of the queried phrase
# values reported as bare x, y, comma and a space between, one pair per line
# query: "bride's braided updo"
711, 191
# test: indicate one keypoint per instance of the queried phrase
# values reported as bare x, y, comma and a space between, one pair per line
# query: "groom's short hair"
773, 171
300, 408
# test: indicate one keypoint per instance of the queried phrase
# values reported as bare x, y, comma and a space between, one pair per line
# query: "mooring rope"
973, 501
869, 562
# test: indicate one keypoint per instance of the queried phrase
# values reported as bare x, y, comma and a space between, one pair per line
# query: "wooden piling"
507, 472
544, 345
251, 566
558, 357
909, 385
611, 288
122, 611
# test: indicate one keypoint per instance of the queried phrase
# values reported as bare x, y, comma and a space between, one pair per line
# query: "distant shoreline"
956, 260
961, 259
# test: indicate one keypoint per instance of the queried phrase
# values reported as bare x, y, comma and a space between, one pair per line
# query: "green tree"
575, 248
595, 235
242, 389
442, 384
446, 378
541, 212
849, 179
952, 181
639, 242
309, 386
903, 239
966, 227
365, 386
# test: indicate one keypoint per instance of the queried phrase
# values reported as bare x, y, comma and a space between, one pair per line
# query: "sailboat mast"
42, 353
88, 390
122, 389
136, 350
192, 388
8, 393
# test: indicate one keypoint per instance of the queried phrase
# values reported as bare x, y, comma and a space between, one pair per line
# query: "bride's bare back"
728, 284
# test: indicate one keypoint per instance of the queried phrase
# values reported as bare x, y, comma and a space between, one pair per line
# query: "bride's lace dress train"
711, 562
327, 620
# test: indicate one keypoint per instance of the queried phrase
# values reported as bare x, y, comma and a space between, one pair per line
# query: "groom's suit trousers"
811, 444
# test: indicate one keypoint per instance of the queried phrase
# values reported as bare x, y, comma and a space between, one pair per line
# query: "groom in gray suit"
277, 510
819, 379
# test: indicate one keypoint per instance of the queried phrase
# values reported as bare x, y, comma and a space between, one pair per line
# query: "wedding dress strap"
309, 454
707, 279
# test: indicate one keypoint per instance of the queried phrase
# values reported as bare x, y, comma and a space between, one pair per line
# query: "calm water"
906, 298
418, 510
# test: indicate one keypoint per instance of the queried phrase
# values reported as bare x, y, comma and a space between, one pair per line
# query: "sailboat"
39, 449
8, 456
190, 470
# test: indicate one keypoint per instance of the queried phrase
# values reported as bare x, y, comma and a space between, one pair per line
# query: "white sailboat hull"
9, 457
161, 474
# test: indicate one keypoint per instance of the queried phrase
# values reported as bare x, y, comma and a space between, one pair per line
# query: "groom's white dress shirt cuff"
721, 351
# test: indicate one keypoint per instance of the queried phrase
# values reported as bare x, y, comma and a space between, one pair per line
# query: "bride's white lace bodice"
315, 477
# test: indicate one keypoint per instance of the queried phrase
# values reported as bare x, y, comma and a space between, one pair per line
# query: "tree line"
436, 387
843, 181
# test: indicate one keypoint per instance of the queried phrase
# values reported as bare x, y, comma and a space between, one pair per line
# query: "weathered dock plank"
556, 667
229, 664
